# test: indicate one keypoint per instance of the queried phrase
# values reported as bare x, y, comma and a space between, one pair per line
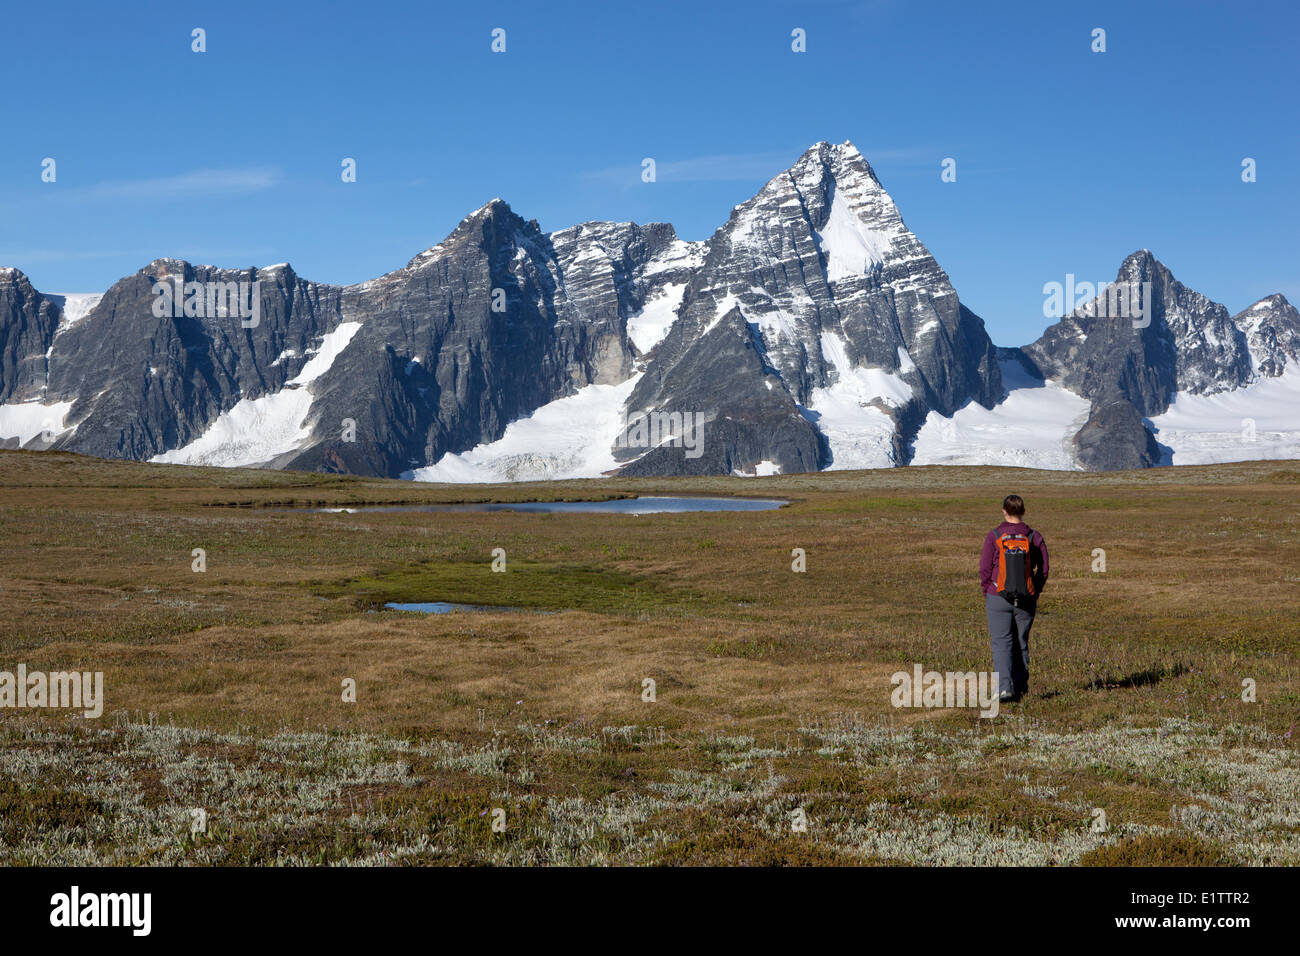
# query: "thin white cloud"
199, 182
720, 168
8, 257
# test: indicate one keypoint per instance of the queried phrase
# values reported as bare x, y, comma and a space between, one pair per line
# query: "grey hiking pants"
1009, 635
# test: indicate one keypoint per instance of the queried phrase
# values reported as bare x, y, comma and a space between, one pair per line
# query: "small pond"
443, 607
622, 506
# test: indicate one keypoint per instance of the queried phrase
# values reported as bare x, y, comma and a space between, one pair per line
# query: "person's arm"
988, 558
1042, 563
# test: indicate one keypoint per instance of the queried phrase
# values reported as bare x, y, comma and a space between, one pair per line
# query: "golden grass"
1200, 593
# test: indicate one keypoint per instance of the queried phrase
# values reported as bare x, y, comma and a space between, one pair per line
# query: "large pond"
621, 506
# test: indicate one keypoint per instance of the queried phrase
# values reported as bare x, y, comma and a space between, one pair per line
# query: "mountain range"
812, 331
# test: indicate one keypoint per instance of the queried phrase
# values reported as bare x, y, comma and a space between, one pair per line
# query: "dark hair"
1014, 505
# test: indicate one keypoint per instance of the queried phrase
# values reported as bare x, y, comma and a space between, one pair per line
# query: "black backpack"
1015, 577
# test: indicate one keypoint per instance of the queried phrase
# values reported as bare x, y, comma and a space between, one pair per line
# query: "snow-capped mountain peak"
812, 330
1272, 330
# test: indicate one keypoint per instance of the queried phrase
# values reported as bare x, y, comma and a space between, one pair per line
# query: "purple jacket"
989, 557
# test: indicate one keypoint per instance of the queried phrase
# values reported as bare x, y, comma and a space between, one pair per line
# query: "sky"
1067, 159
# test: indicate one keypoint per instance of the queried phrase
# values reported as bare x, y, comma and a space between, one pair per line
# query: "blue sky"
1067, 160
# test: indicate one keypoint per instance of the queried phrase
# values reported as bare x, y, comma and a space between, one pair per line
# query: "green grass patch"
525, 584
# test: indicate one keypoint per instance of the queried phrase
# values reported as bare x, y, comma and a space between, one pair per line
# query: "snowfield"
27, 420
859, 384
76, 306
763, 469
851, 247
648, 327
848, 413
571, 437
859, 437
258, 430
1212, 429
1032, 427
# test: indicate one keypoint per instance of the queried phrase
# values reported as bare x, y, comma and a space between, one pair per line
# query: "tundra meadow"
697, 688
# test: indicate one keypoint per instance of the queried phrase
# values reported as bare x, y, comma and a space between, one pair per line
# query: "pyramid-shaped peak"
824, 167
1141, 265
495, 211
493, 206
1275, 301
835, 157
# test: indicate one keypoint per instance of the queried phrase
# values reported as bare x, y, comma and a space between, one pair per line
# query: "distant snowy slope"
812, 330
850, 411
571, 437
1259, 421
258, 430
648, 327
27, 420
76, 306
851, 247
1031, 428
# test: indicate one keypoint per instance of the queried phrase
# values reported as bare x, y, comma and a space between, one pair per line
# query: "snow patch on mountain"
850, 246
647, 328
848, 413
1032, 427
76, 306
571, 437
777, 324
728, 303
323, 356
860, 436
252, 433
859, 384
680, 254
763, 469
1216, 428
27, 420
286, 354
258, 430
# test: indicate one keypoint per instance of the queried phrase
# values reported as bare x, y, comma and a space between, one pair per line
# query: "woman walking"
1013, 571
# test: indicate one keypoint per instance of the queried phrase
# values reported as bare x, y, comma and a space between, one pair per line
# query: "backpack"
1015, 579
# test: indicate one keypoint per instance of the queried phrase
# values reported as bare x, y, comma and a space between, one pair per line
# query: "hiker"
1013, 570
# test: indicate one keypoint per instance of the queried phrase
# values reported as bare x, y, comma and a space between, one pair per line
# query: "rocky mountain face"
493, 322
1133, 347
141, 383
27, 324
815, 311
1272, 330
812, 330
813, 304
